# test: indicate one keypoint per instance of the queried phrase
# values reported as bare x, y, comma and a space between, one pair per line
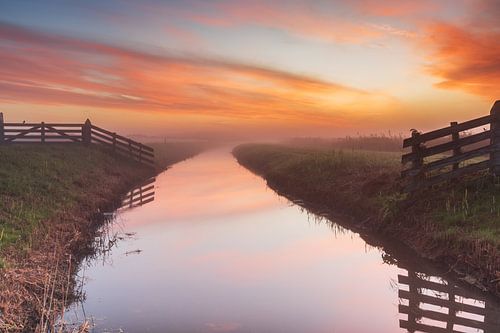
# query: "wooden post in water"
495, 139
87, 132
114, 142
42, 130
1, 128
455, 136
413, 303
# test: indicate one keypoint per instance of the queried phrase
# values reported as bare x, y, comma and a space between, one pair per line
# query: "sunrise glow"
240, 69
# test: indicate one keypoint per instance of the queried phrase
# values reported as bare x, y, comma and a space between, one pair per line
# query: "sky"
250, 69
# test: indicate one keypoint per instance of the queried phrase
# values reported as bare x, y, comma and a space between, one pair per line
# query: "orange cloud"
48, 69
464, 58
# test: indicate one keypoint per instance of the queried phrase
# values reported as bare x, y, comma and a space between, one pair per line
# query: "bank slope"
458, 224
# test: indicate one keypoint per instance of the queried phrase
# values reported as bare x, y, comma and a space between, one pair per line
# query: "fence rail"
71, 133
455, 150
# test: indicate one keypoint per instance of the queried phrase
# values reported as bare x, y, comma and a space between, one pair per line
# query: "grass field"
349, 179
458, 222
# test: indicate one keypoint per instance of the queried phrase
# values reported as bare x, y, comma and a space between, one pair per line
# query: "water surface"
218, 251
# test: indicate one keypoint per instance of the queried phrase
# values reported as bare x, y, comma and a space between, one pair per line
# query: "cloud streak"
337, 22
49, 69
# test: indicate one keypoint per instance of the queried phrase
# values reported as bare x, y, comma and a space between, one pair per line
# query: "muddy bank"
52, 209
365, 190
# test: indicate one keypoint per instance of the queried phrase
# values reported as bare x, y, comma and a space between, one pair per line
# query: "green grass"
349, 179
38, 183
464, 214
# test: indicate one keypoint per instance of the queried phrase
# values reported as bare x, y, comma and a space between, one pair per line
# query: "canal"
219, 251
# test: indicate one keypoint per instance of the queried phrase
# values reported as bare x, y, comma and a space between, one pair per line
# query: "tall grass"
375, 142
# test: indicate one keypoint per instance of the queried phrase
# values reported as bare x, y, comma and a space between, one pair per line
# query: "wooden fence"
140, 195
435, 305
453, 151
74, 133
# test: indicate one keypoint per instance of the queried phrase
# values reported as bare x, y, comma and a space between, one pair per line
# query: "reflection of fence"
140, 195
70, 133
434, 305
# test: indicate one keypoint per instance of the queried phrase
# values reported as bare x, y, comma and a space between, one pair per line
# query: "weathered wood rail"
456, 150
87, 133
434, 305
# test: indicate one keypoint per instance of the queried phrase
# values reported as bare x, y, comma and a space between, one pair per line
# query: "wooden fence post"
42, 129
1, 128
87, 132
455, 136
418, 161
495, 139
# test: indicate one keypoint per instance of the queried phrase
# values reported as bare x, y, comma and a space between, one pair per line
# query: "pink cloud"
49, 69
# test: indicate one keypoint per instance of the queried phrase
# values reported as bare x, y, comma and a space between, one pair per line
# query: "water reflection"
433, 304
218, 251
140, 195
429, 301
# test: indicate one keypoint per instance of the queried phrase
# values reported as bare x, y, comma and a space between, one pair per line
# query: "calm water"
218, 251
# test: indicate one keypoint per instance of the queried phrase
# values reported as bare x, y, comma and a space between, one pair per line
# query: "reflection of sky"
216, 188
221, 252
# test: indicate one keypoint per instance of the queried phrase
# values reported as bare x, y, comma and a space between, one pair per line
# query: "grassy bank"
455, 224
49, 196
